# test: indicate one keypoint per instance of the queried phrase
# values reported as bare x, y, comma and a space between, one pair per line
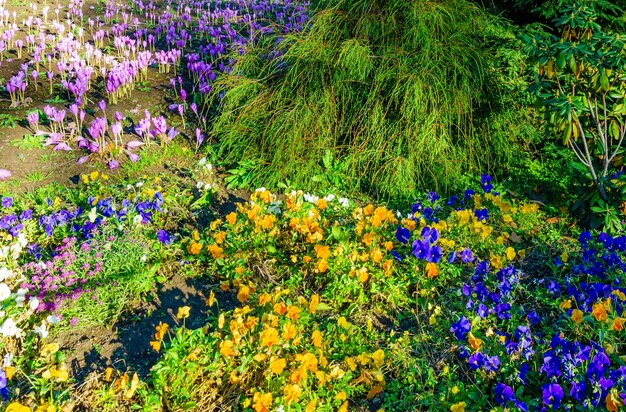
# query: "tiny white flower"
129, 187
33, 303
199, 185
53, 319
209, 167
208, 186
138, 184
143, 258
202, 161
5, 291
22, 240
343, 202
329, 197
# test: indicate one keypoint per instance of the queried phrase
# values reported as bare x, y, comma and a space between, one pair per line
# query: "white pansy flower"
5, 273
274, 208
5, 291
16, 249
93, 214
137, 220
53, 319
343, 201
7, 360
329, 197
311, 198
41, 331
9, 329
33, 303
22, 240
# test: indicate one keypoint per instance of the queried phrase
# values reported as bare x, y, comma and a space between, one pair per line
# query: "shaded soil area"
126, 345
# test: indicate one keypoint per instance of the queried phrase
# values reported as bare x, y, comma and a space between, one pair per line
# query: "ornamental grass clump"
398, 92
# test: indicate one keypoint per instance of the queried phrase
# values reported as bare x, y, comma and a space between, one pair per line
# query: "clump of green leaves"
582, 85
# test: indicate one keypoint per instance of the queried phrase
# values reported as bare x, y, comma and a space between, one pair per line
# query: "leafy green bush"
582, 84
